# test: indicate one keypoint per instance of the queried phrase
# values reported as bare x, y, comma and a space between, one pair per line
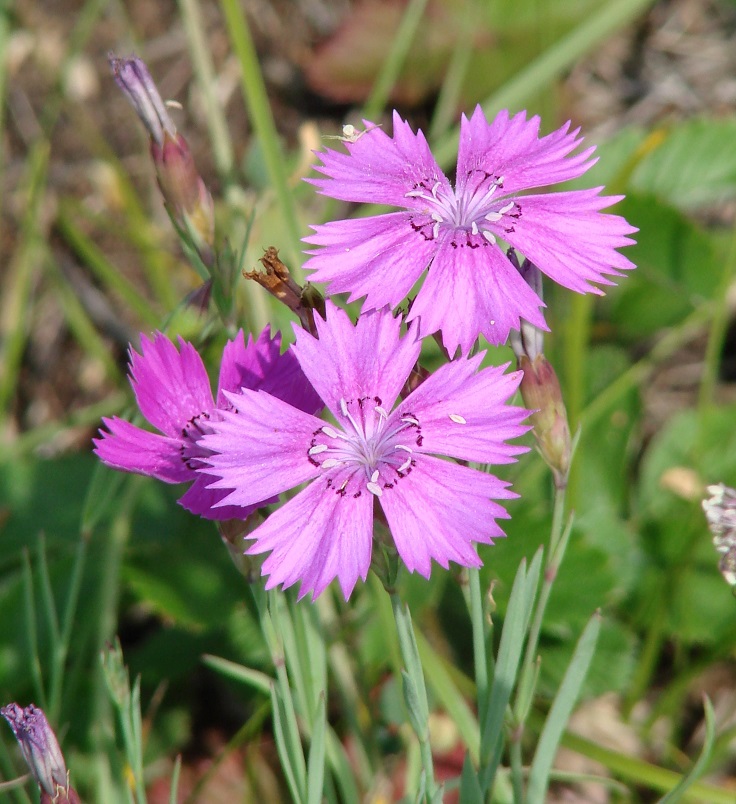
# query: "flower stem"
559, 537
415, 691
480, 654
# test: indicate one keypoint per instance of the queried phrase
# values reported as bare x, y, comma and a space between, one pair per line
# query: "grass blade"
561, 710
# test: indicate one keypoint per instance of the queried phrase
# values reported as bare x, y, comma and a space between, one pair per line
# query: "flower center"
474, 209
191, 454
375, 447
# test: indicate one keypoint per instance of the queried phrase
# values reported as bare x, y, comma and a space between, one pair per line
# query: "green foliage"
89, 554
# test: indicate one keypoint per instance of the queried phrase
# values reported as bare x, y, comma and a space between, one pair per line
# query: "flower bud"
187, 199
540, 390
529, 340
41, 751
132, 76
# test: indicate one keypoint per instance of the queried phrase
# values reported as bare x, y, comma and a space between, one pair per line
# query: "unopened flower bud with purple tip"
540, 388
132, 76
187, 199
41, 751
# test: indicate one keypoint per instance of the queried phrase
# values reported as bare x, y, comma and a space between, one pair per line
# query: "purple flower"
471, 287
41, 751
374, 452
174, 394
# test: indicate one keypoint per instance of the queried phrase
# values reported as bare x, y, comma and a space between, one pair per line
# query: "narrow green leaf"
174, 791
450, 697
394, 62
514, 632
283, 748
549, 65
642, 773
701, 763
253, 678
561, 710
316, 761
470, 792
102, 494
340, 767
417, 715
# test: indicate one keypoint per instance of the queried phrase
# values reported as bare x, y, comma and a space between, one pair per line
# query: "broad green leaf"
679, 265
694, 166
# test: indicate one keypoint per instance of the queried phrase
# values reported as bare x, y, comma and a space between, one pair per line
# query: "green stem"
415, 691
557, 545
256, 99
480, 654
222, 148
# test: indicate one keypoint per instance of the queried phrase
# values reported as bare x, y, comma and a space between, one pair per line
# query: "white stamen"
381, 412
436, 217
344, 407
489, 236
404, 466
500, 180
457, 418
507, 208
404, 447
436, 231
330, 462
474, 228
374, 476
493, 217
410, 420
319, 448
374, 489
434, 189
329, 432
492, 322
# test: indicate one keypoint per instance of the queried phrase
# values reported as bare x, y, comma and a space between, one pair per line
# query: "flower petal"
205, 502
569, 239
260, 366
259, 450
350, 362
131, 449
511, 147
379, 257
474, 291
315, 537
463, 413
170, 386
438, 511
381, 168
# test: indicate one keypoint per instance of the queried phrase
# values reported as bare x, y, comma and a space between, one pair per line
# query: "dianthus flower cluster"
343, 438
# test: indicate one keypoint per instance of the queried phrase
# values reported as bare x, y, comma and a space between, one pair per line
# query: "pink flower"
455, 234
174, 394
376, 450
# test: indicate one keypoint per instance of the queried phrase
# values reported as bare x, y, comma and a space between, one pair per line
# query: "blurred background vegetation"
89, 259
